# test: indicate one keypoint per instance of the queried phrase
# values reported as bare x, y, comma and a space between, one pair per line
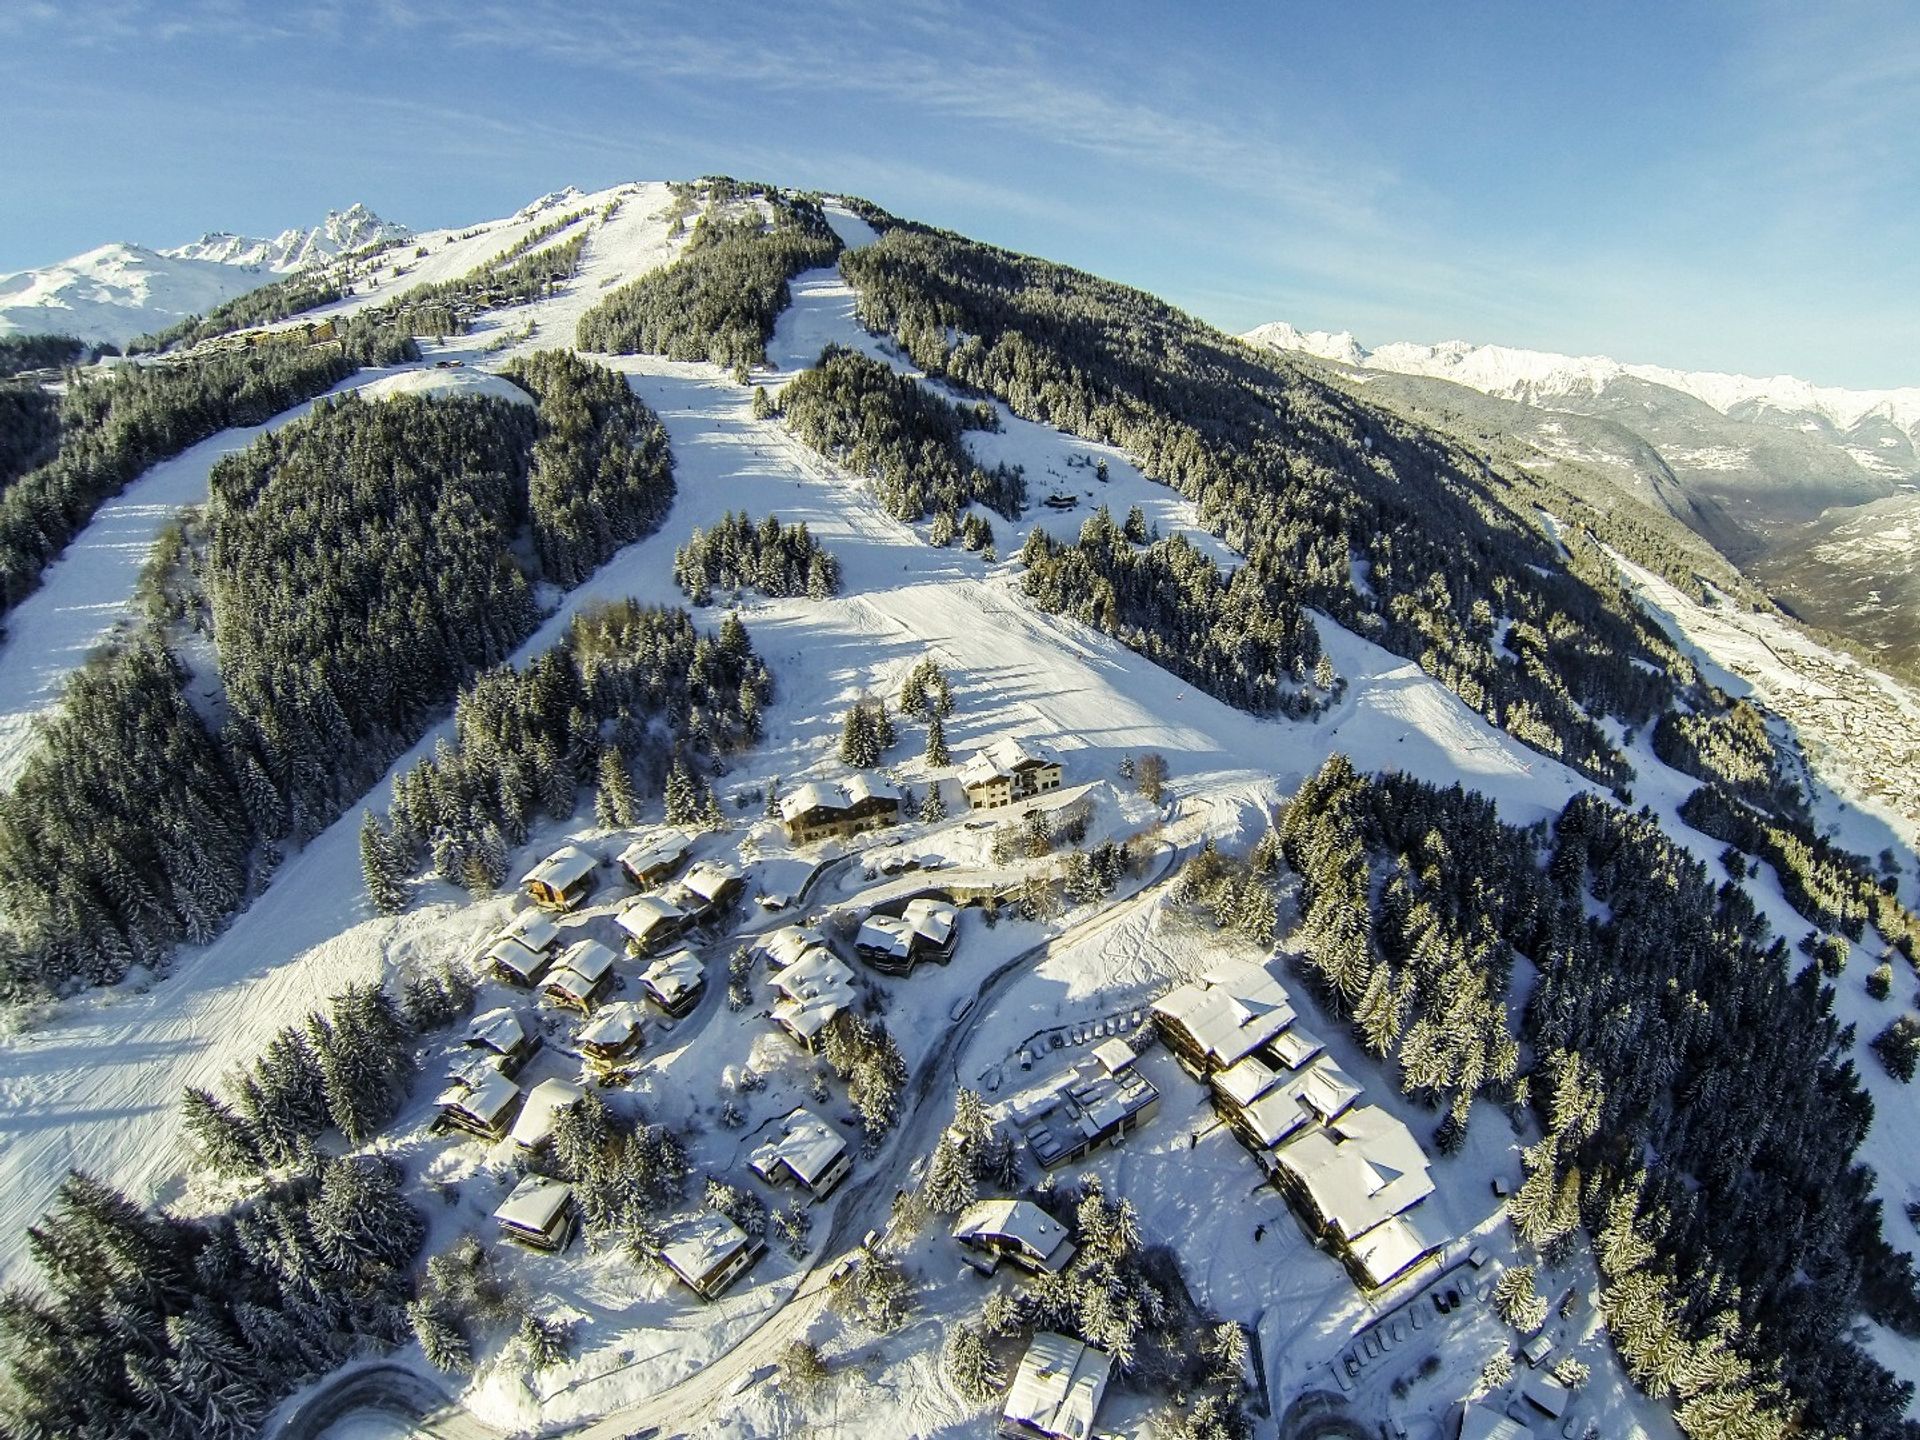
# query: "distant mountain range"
118, 291
1802, 485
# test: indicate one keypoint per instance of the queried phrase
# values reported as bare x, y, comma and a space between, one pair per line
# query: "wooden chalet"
708, 1252
805, 1150
675, 982
540, 1214
580, 976
563, 880
822, 811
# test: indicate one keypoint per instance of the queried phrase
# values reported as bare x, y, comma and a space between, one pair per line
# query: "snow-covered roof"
1230, 1011
1359, 1170
1019, 1222
535, 929
1114, 1055
787, 944
534, 1204
646, 914
804, 1143
485, 1097
1325, 1088
825, 795
1390, 1247
509, 954
1058, 1115
932, 920
885, 935
1295, 1046
535, 1121
464, 383
709, 878
1483, 1422
564, 868
589, 960
698, 1244
1275, 1115
1547, 1394
1245, 1081
650, 852
816, 987
497, 1030
613, 1026
1058, 1387
1004, 757
673, 976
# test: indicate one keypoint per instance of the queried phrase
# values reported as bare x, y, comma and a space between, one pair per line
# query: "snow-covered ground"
96, 1085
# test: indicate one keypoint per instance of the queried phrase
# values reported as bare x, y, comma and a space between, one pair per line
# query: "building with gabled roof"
925, 930
1479, 1421
1294, 1046
1016, 1230
1231, 1011
806, 1150
577, 979
543, 1105
517, 963
707, 889
1354, 1172
482, 1102
1006, 771
655, 856
540, 1213
611, 1038
564, 879
534, 928
708, 1252
650, 921
1390, 1250
814, 990
1057, 1390
501, 1034
821, 810
787, 944
675, 981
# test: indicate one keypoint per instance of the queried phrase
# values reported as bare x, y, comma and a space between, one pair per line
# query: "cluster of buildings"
925, 929
814, 985
1353, 1172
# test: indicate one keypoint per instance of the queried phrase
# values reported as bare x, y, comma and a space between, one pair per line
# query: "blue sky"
1708, 185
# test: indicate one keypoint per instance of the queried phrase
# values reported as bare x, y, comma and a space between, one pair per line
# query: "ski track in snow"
96, 1087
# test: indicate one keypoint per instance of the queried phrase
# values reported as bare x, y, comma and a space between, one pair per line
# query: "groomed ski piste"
95, 1084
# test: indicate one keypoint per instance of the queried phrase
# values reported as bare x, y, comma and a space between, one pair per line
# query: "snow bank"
461, 383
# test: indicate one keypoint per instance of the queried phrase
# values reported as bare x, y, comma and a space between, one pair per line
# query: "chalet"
563, 880
1090, 1105
1294, 1046
482, 1103
1007, 771
540, 1213
535, 929
708, 1252
516, 963
782, 947
1480, 1421
1016, 1230
1536, 1350
822, 811
501, 1035
806, 1150
1547, 1395
925, 930
1260, 1110
813, 991
675, 982
1228, 1013
543, 1106
1057, 1390
611, 1038
651, 922
706, 890
1390, 1250
655, 857
581, 974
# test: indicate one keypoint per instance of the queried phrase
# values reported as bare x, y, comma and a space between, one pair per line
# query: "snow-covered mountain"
342, 231
1541, 377
118, 291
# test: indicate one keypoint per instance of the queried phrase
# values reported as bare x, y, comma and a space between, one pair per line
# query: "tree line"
900, 434
772, 558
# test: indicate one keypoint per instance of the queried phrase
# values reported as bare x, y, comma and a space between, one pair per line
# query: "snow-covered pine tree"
682, 795
937, 752
377, 865
970, 1364
614, 803
224, 1142
951, 1185
441, 1339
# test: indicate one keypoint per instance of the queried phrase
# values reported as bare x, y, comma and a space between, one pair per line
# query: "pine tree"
382, 875
933, 808
1517, 1301
970, 1364
682, 796
544, 1342
441, 1339
225, 1143
614, 803
937, 753
711, 815
951, 1185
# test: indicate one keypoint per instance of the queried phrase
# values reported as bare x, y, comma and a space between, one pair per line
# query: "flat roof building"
1057, 1390
806, 1150
1087, 1106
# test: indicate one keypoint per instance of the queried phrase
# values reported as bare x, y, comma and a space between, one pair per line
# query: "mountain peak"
296, 249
